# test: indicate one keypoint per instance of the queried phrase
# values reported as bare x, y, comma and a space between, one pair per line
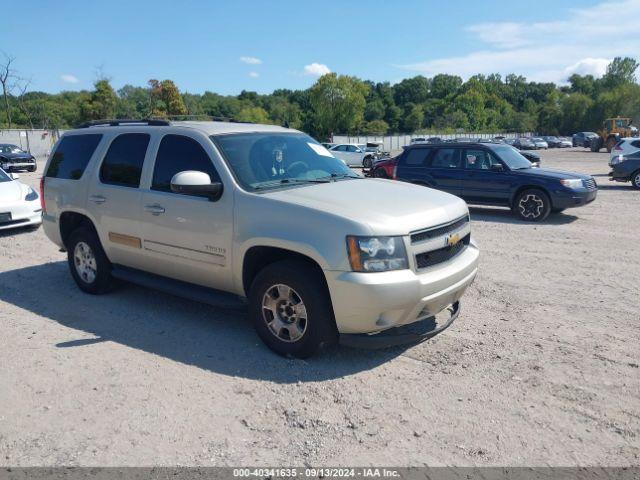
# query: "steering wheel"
302, 166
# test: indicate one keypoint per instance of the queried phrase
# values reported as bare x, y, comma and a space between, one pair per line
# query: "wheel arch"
257, 257
70, 221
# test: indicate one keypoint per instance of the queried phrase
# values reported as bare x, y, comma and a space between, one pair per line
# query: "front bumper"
573, 198
374, 302
22, 214
616, 176
410, 334
22, 164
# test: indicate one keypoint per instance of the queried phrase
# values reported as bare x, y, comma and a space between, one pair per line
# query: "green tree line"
346, 104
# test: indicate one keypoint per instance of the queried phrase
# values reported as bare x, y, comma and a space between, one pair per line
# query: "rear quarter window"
71, 157
635, 144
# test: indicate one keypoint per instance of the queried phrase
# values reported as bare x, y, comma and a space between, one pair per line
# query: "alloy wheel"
284, 312
85, 262
531, 206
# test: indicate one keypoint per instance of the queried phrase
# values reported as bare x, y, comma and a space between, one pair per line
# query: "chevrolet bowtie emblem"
452, 239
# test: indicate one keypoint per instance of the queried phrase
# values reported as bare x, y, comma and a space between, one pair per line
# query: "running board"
178, 288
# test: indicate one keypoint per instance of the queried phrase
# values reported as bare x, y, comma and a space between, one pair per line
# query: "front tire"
532, 205
89, 265
290, 308
32, 169
380, 173
635, 180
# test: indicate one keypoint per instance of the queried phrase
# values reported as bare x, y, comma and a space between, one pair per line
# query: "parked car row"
537, 143
522, 143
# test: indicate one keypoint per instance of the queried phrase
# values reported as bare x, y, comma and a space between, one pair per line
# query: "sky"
227, 47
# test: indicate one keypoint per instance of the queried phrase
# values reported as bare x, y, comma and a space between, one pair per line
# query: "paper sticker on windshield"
319, 149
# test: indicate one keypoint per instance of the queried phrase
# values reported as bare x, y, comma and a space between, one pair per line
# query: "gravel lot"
540, 369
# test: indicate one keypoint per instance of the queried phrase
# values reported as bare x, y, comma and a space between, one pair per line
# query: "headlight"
376, 254
617, 159
31, 195
572, 183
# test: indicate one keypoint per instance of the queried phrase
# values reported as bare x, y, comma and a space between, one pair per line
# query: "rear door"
114, 197
480, 183
412, 164
340, 151
443, 170
354, 156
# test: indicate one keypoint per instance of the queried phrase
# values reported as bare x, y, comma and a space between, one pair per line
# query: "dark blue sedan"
495, 174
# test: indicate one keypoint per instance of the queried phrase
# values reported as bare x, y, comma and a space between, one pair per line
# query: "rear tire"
635, 179
290, 308
595, 144
367, 162
532, 205
32, 169
611, 142
89, 265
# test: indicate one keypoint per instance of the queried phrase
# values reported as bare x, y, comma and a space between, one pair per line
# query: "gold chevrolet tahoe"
261, 215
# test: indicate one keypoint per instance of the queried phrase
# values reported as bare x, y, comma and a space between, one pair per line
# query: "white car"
540, 142
354, 155
625, 146
565, 142
19, 203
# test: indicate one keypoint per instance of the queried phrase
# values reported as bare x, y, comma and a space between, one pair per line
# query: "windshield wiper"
336, 176
285, 181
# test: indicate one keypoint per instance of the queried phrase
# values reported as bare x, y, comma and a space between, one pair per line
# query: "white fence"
37, 142
396, 142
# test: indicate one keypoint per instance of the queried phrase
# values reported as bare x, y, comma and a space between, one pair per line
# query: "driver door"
481, 183
186, 237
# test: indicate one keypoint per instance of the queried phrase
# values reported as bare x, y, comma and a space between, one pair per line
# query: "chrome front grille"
590, 184
434, 257
428, 234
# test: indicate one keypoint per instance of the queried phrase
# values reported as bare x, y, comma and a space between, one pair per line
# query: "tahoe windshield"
270, 160
512, 158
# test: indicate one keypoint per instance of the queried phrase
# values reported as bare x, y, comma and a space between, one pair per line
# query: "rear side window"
446, 158
415, 157
122, 165
176, 154
635, 143
72, 156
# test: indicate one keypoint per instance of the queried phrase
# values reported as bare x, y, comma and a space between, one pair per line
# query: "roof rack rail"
117, 122
197, 117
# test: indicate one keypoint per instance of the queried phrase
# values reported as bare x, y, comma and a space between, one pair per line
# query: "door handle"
154, 209
99, 199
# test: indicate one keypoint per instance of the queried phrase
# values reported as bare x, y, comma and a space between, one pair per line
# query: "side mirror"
14, 176
497, 167
191, 182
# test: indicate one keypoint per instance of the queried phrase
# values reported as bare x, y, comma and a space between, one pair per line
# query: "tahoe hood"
387, 207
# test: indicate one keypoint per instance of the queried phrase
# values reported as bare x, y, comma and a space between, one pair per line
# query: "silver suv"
229, 212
